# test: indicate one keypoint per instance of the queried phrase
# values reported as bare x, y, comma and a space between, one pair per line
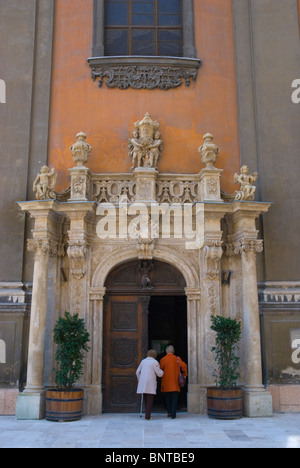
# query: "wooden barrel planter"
63, 406
225, 404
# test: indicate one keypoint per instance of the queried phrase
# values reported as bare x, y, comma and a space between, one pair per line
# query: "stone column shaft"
31, 403
95, 388
36, 351
257, 401
251, 323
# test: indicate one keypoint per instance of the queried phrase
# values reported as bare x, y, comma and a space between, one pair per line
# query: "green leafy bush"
71, 338
228, 336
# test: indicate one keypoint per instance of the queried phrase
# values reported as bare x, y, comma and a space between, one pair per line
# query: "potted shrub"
225, 400
65, 403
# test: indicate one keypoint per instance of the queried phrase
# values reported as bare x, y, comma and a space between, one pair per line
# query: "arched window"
143, 27
153, 37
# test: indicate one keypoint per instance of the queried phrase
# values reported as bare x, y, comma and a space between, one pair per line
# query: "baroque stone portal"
72, 262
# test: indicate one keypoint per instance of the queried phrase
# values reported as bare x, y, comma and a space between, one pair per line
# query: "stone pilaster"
95, 396
81, 217
210, 186
46, 241
213, 253
146, 178
257, 400
81, 182
194, 349
31, 403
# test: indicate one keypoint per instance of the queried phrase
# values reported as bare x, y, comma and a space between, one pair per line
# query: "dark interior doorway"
138, 314
168, 325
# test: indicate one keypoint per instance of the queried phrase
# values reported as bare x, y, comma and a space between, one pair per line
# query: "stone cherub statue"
44, 184
246, 181
145, 146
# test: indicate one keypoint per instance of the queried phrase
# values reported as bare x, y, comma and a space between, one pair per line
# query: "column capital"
248, 245
193, 294
45, 246
97, 294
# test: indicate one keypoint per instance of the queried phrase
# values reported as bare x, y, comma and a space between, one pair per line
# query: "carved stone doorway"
132, 290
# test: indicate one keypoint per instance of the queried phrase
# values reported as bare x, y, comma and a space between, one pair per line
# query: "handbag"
181, 378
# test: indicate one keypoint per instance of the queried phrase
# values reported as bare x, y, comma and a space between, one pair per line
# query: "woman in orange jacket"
170, 364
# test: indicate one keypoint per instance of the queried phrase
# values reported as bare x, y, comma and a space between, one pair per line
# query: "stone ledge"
280, 292
139, 72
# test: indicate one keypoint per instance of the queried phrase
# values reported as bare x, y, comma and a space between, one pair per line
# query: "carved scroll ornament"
77, 251
144, 72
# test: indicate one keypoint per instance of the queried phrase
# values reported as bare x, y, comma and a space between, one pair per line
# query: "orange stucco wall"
107, 115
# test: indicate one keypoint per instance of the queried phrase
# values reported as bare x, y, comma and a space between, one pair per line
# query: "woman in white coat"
147, 374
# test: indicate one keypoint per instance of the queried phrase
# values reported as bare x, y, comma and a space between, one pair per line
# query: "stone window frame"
144, 72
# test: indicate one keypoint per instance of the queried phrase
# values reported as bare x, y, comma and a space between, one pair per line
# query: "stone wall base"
8, 401
286, 398
31, 406
257, 404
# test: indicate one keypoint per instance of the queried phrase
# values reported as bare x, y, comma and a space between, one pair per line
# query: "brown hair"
152, 353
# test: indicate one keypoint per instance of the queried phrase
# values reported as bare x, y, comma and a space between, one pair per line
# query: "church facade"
149, 181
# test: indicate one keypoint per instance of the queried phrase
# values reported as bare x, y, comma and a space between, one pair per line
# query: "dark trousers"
171, 403
148, 399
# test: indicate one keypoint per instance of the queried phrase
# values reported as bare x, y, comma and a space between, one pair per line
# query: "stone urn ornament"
209, 151
80, 150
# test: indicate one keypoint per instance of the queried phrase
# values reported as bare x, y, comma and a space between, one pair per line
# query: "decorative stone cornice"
280, 292
144, 72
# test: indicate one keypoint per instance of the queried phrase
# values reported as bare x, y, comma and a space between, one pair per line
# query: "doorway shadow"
168, 325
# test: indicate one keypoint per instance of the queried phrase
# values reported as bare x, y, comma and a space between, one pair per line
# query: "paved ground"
129, 431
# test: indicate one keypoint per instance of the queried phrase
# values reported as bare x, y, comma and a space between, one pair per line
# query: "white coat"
147, 374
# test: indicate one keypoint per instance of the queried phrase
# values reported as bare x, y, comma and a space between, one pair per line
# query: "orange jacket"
169, 365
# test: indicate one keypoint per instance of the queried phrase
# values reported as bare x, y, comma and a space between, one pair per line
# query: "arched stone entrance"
174, 278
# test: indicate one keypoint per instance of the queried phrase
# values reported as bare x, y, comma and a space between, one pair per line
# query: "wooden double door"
126, 338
